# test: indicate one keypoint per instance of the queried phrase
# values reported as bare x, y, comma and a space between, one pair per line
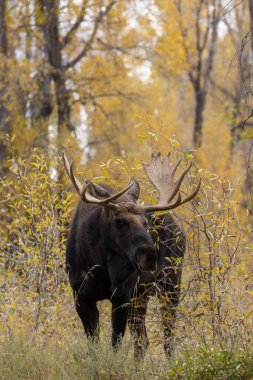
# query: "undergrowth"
26, 358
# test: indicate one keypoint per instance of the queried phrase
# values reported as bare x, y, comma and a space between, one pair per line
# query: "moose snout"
146, 258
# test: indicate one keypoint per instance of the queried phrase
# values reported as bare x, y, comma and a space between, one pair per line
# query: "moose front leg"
120, 308
137, 326
169, 303
89, 315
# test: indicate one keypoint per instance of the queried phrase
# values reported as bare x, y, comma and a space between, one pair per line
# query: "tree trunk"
5, 115
200, 101
3, 29
200, 72
251, 22
54, 55
41, 103
41, 109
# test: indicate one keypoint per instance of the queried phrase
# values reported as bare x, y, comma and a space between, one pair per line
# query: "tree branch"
243, 124
224, 90
75, 26
211, 50
88, 44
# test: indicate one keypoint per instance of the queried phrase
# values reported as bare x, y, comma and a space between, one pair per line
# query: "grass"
23, 358
74, 359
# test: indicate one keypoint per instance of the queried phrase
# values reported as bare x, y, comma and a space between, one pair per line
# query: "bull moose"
124, 252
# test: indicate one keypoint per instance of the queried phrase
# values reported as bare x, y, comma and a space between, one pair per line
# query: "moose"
122, 251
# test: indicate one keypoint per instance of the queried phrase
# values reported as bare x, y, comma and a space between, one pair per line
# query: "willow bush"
35, 211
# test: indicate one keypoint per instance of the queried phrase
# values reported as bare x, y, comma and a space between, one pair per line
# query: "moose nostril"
146, 258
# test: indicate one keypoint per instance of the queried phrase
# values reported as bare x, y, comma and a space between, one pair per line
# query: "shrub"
218, 364
34, 215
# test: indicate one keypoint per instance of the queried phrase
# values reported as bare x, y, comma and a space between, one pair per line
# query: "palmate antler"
161, 174
83, 190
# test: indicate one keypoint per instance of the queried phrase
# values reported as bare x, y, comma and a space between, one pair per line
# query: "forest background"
112, 81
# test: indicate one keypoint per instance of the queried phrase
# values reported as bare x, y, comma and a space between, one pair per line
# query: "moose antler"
83, 190
161, 174
70, 172
88, 198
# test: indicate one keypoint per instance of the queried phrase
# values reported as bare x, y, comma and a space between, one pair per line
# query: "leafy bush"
34, 216
213, 364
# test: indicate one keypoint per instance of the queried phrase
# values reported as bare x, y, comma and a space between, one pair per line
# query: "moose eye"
121, 224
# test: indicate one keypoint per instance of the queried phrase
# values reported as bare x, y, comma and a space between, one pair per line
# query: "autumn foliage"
113, 81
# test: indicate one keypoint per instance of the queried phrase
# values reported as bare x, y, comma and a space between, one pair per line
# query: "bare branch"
75, 26
89, 43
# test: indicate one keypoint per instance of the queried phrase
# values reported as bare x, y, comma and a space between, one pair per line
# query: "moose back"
121, 251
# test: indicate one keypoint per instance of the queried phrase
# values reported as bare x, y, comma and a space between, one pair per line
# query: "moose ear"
99, 191
134, 191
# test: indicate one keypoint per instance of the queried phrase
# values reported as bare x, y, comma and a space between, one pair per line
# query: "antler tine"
70, 172
83, 190
66, 164
153, 208
88, 198
180, 179
74, 179
176, 166
161, 173
193, 194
